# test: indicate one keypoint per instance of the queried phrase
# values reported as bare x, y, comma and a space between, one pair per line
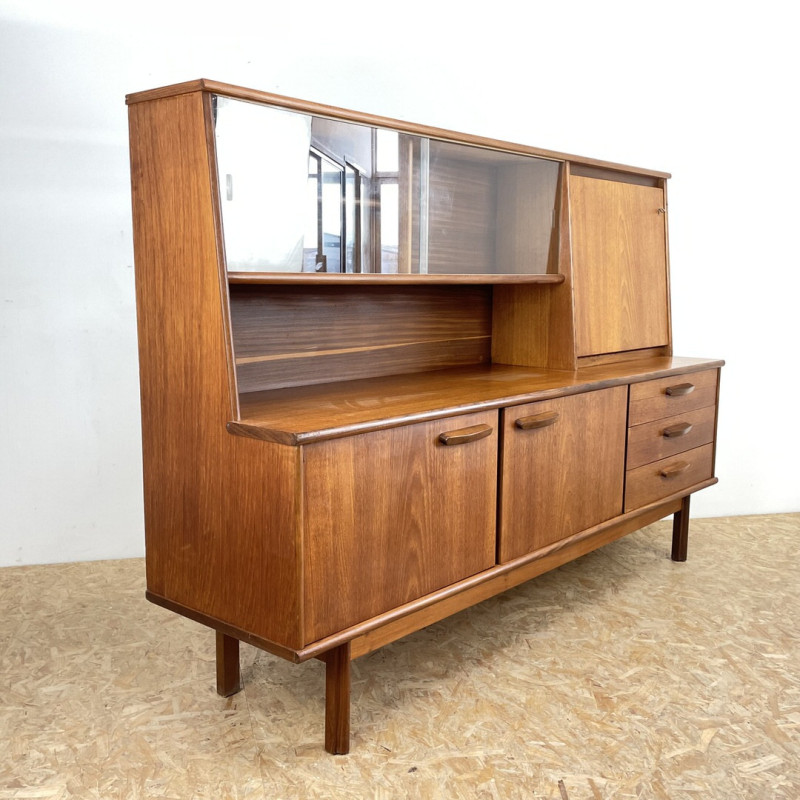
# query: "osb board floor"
621, 675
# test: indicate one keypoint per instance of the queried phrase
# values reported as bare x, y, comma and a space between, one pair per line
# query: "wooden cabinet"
562, 469
388, 371
620, 264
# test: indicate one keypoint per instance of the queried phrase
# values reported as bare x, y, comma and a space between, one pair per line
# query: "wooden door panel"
393, 515
619, 259
563, 471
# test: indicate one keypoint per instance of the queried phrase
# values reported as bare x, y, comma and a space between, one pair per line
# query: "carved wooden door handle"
464, 435
537, 420
675, 469
679, 389
679, 429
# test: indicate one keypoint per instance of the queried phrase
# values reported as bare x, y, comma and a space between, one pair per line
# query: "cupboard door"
393, 515
619, 258
562, 469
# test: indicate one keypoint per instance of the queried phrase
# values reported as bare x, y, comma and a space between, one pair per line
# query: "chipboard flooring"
620, 675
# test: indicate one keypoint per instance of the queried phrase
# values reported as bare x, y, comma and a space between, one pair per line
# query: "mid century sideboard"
388, 370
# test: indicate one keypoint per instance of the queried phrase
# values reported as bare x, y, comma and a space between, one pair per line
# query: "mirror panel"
301, 193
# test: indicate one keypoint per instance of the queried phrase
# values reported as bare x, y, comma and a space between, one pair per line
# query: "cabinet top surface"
255, 95
302, 415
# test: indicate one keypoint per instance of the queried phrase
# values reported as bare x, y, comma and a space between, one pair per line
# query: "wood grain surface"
562, 478
620, 266
312, 413
285, 336
649, 442
206, 508
393, 515
651, 401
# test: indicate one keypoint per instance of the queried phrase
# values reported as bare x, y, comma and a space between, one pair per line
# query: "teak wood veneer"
335, 459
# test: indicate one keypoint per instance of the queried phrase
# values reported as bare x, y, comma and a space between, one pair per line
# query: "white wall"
707, 96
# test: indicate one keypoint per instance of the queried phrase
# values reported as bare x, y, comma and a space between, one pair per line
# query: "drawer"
662, 478
669, 436
673, 395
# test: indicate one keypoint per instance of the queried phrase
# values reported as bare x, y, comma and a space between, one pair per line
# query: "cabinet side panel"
220, 511
619, 266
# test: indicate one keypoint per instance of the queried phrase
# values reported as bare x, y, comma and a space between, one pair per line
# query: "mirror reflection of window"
388, 153
390, 238
364, 225
324, 217
352, 189
387, 174
332, 180
311, 236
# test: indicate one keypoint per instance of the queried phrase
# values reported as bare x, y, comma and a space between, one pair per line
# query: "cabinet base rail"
339, 650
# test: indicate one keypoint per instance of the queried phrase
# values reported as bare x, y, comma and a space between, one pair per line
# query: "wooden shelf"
380, 279
306, 414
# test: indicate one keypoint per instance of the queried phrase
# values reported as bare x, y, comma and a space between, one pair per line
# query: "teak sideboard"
388, 371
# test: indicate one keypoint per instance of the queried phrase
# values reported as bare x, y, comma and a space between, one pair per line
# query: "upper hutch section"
541, 259
307, 189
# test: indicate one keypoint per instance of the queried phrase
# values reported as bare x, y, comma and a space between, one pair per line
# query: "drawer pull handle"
680, 389
674, 431
464, 435
675, 469
537, 420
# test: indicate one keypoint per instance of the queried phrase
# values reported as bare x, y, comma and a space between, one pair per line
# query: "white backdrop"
710, 97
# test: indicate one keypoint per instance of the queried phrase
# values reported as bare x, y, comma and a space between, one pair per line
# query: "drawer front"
676, 394
662, 478
669, 436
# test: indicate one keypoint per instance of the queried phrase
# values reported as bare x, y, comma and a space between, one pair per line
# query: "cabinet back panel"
283, 336
463, 203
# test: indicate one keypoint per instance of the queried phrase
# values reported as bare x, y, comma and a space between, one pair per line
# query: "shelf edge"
379, 279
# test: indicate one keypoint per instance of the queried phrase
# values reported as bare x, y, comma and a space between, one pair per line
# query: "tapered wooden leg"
680, 531
337, 700
229, 679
